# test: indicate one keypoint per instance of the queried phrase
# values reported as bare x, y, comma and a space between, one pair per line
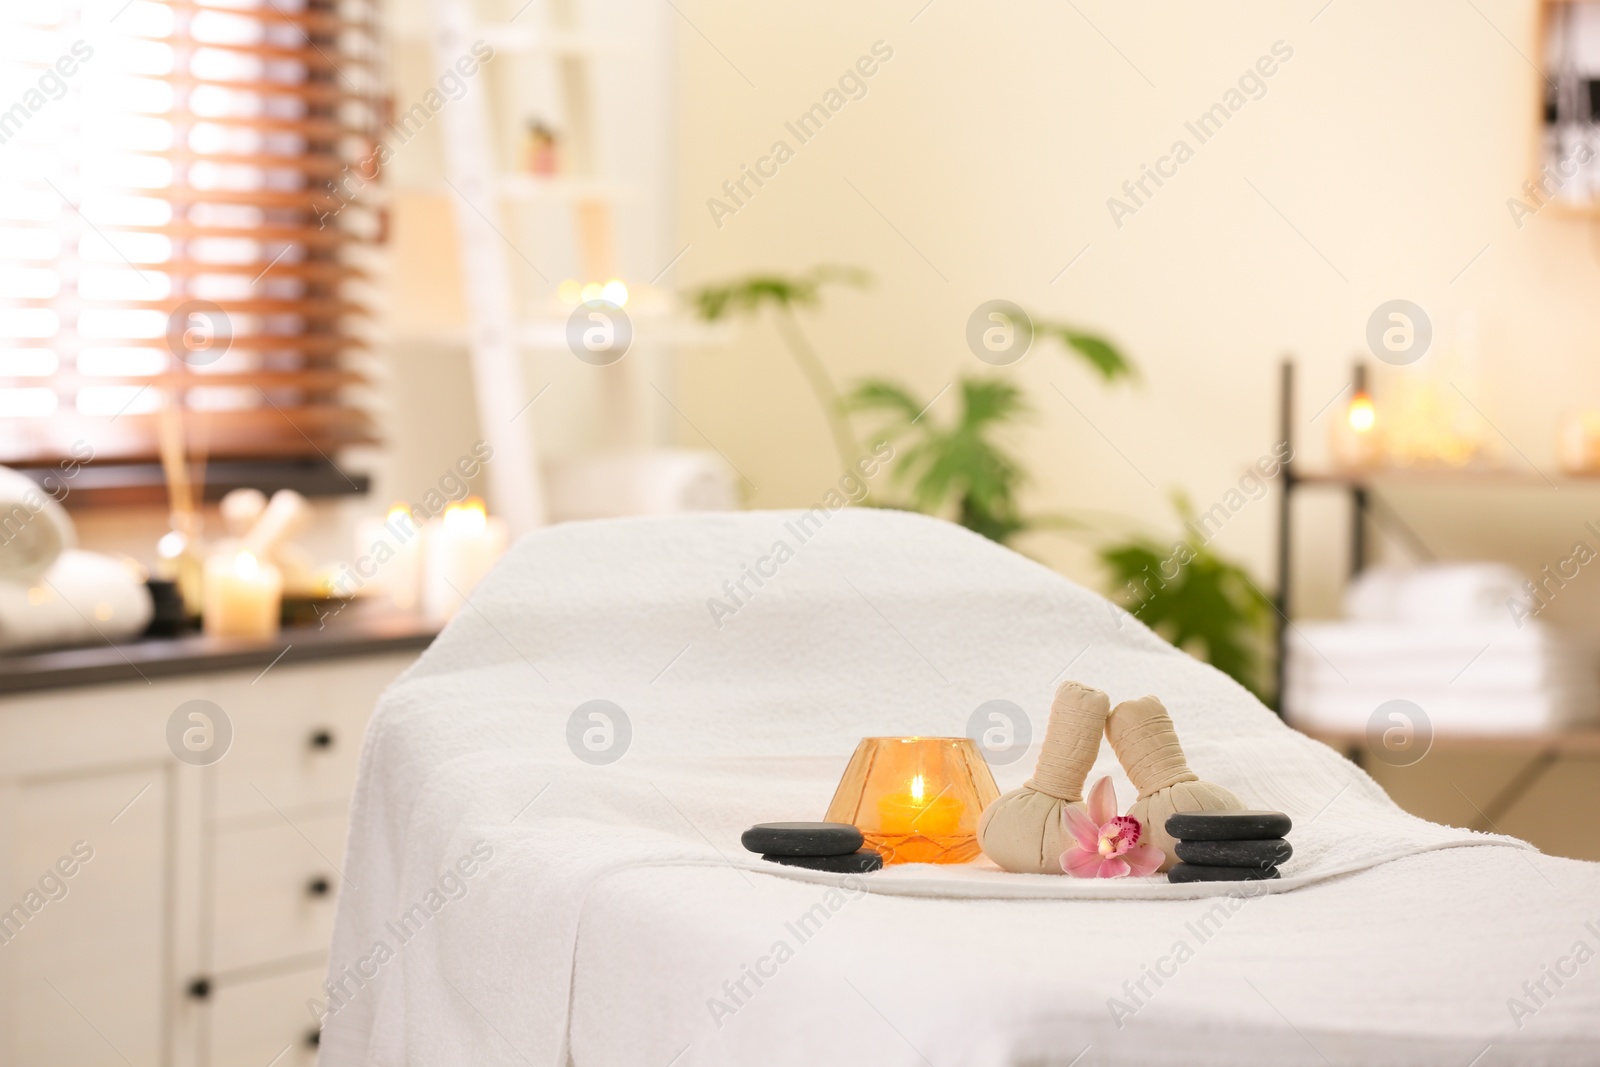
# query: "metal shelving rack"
1542, 750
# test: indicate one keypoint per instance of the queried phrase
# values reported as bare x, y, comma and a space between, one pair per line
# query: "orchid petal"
1081, 864
1114, 867
1145, 859
1103, 802
1084, 830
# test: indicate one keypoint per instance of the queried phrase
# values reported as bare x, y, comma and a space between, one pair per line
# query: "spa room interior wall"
1377, 164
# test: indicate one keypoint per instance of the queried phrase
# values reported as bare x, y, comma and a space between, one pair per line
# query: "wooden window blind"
186, 222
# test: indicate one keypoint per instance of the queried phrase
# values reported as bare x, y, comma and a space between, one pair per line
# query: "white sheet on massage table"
1411, 962
884, 623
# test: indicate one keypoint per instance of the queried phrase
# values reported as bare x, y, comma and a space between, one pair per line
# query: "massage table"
544, 864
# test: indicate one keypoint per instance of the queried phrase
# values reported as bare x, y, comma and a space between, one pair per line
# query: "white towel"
34, 529
1472, 677
750, 651
84, 598
1449, 593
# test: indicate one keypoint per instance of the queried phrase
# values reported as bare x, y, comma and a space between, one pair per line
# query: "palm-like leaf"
957, 464
751, 293
1099, 353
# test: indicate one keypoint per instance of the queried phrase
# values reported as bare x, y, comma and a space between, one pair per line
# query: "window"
186, 218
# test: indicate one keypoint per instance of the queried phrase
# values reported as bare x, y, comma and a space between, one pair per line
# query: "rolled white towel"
1435, 592
84, 598
34, 529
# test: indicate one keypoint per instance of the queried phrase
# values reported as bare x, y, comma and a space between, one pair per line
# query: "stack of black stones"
816, 846
1228, 846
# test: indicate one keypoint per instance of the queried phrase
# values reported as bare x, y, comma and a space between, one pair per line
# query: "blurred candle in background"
389, 557
243, 596
460, 548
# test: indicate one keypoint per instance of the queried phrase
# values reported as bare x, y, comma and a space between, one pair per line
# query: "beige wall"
987, 148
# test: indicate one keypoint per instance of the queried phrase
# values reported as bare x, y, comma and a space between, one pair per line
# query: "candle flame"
468, 517
917, 789
246, 566
1362, 415
397, 511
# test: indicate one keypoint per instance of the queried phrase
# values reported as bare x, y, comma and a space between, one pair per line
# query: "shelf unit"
1542, 749
1363, 488
1551, 14
598, 73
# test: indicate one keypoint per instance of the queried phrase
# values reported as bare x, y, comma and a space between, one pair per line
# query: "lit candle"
915, 812
461, 547
389, 556
243, 596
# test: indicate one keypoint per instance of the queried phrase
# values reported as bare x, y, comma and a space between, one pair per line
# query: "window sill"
114, 485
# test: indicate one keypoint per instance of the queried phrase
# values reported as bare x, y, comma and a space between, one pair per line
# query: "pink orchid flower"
1105, 844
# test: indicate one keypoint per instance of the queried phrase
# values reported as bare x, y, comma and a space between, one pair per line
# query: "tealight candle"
243, 596
461, 547
389, 556
914, 812
915, 799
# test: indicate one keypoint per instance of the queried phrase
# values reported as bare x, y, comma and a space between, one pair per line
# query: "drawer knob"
200, 988
313, 1038
319, 886
322, 738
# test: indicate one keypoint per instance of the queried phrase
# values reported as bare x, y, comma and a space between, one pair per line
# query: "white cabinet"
154, 912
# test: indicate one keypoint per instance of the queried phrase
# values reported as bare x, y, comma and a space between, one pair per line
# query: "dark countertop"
362, 632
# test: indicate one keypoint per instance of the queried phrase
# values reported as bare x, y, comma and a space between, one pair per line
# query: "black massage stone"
773, 839
1194, 872
861, 862
1228, 825
1268, 853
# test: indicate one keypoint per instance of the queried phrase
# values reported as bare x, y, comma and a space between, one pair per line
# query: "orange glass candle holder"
916, 799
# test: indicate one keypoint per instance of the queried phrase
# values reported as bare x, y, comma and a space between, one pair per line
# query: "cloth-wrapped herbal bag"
1142, 734
1022, 830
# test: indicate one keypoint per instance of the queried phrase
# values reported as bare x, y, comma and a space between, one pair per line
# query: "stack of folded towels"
1456, 640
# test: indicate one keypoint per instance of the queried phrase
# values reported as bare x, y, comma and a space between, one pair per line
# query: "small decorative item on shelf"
243, 595
169, 617
542, 151
178, 560
916, 799
1355, 439
460, 548
1578, 445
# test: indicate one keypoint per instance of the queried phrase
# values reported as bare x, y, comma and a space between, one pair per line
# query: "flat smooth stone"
856, 863
1228, 825
802, 839
1194, 872
1268, 853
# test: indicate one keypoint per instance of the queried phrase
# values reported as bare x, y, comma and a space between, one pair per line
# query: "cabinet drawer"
266, 1022
297, 734
275, 890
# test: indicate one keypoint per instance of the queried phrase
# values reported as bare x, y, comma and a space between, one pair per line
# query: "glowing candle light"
1362, 415
461, 548
243, 596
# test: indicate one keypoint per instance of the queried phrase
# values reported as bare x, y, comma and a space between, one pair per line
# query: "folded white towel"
83, 598
1434, 592
34, 529
1467, 677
